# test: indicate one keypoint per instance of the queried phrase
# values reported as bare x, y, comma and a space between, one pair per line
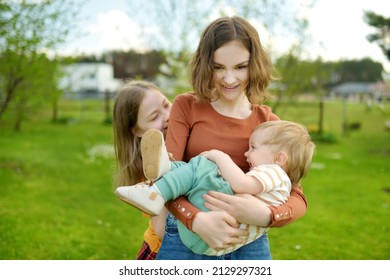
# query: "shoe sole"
136, 205
151, 144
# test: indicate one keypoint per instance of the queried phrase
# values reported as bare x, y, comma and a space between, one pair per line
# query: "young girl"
138, 107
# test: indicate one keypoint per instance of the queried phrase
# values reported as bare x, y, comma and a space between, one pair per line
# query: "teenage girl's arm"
291, 211
245, 208
216, 228
248, 209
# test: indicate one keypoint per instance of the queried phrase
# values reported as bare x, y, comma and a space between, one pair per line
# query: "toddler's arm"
239, 181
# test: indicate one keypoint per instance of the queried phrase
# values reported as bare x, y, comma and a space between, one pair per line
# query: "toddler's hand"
212, 155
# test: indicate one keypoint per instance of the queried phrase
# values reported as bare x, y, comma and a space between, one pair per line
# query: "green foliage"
300, 76
27, 74
363, 70
325, 137
173, 76
57, 201
382, 34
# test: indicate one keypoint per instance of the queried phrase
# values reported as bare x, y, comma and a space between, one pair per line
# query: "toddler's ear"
281, 158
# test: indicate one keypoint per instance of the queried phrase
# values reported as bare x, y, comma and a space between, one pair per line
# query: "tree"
172, 27
129, 64
363, 70
382, 34
28, 30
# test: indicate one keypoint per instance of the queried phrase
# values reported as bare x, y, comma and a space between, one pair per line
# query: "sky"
336, 28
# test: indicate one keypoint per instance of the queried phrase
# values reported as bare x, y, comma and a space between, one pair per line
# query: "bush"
324, 137
354, 126
321, 137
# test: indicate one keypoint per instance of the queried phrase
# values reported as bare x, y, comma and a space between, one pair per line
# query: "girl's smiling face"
231, 75
154, 112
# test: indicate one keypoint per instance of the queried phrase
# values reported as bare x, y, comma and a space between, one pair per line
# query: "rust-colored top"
196, 127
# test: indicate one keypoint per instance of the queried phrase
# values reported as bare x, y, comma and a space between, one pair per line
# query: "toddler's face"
259, 153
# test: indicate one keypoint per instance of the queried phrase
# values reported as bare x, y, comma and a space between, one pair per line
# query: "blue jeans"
172, 248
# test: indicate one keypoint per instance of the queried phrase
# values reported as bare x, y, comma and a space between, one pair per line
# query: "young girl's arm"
238, 180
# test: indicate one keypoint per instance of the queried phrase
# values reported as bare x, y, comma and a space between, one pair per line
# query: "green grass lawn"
57, 202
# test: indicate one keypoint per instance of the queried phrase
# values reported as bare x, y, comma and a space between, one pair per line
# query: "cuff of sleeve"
280, 216
184, 211
189, 215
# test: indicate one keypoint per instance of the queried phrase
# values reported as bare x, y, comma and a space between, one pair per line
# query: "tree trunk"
321, 117
19, 117
7, 100
344, 116
9, 93
54, 116
107, 106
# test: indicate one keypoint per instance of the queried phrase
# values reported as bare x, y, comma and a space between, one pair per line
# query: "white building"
362, 91
89, 80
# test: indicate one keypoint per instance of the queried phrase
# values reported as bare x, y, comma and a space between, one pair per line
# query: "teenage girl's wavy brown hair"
218, 33
127, 145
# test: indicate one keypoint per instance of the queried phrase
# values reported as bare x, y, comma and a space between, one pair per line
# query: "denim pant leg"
256, 250
172, 247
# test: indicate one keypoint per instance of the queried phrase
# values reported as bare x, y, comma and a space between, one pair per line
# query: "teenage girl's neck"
240, 108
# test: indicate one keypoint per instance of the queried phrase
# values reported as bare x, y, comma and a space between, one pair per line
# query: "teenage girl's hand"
218, 229
245, 208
